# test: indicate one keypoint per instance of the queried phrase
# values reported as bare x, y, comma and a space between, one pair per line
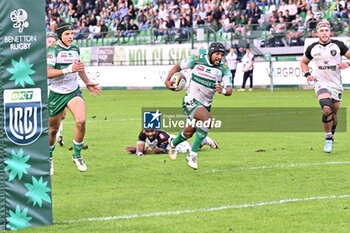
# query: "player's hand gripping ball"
179, 81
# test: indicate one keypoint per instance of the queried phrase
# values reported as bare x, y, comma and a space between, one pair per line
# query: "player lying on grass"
157, 141
208, 76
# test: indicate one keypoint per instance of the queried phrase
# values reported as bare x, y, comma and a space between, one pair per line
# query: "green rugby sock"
198, 139
78, 146
52, 148
179, 138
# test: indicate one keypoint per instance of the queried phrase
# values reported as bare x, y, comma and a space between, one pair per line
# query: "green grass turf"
119, 184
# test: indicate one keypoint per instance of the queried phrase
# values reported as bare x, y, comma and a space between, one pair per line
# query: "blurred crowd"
280, 21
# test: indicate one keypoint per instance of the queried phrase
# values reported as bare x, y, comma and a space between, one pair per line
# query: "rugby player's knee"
53, 130
80, 124
327, 106
187, 134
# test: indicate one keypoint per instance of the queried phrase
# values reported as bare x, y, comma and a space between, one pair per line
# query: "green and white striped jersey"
60, 57
204, 76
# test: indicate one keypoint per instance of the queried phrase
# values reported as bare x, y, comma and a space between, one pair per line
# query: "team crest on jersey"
333, 52
23, 115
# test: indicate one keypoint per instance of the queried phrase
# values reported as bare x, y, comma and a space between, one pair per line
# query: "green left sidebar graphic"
25, 186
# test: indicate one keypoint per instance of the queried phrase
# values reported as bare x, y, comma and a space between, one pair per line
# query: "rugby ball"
179, 81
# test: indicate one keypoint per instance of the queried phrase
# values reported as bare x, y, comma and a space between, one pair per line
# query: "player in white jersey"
231, 60
51, 38
208, 76
327, 54
63, 68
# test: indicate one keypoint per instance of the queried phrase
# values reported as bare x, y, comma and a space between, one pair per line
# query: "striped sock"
179, 138
78, 146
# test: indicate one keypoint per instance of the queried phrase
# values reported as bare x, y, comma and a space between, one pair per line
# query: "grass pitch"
291, 187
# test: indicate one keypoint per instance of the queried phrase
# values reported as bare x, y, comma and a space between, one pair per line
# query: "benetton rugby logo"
19, 18
23, 115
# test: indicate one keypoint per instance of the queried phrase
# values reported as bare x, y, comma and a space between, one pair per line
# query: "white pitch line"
99, 121
178, 212
281, 166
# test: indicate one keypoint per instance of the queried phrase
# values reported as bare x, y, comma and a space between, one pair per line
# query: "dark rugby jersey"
160, 140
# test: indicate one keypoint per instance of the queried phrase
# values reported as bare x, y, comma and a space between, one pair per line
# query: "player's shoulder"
338, 42
196, 58
162, 134
53, 46
74, 47
142, 135
223, 66
312, 45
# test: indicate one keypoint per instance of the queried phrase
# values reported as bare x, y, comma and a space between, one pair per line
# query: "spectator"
292, 7
248, 67
298, 18
225, 24
345, 13
272, 18
142, 21
211, 22
317, 13
201, 4
337, 28
288, 18
311, 25
99, 6
283, 7
91, 6
151, 18
131, 12
338, 8
162, 29
119, 28
131, 28
92, 20
280, 28
302, 6
104, 30
82, 31
163, 12
94, 30
198, 22
293, 35
313, 4
242, 5
71, 11
80, 10
301, 28
63, 8
240, 51
254, 13
202, 13
231, 60
240, 24
170, 25
123, 11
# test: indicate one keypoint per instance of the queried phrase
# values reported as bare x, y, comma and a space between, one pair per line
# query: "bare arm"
92, 87
72, 68
225, 91
176, 68
344, 65
140, 150
304, 64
